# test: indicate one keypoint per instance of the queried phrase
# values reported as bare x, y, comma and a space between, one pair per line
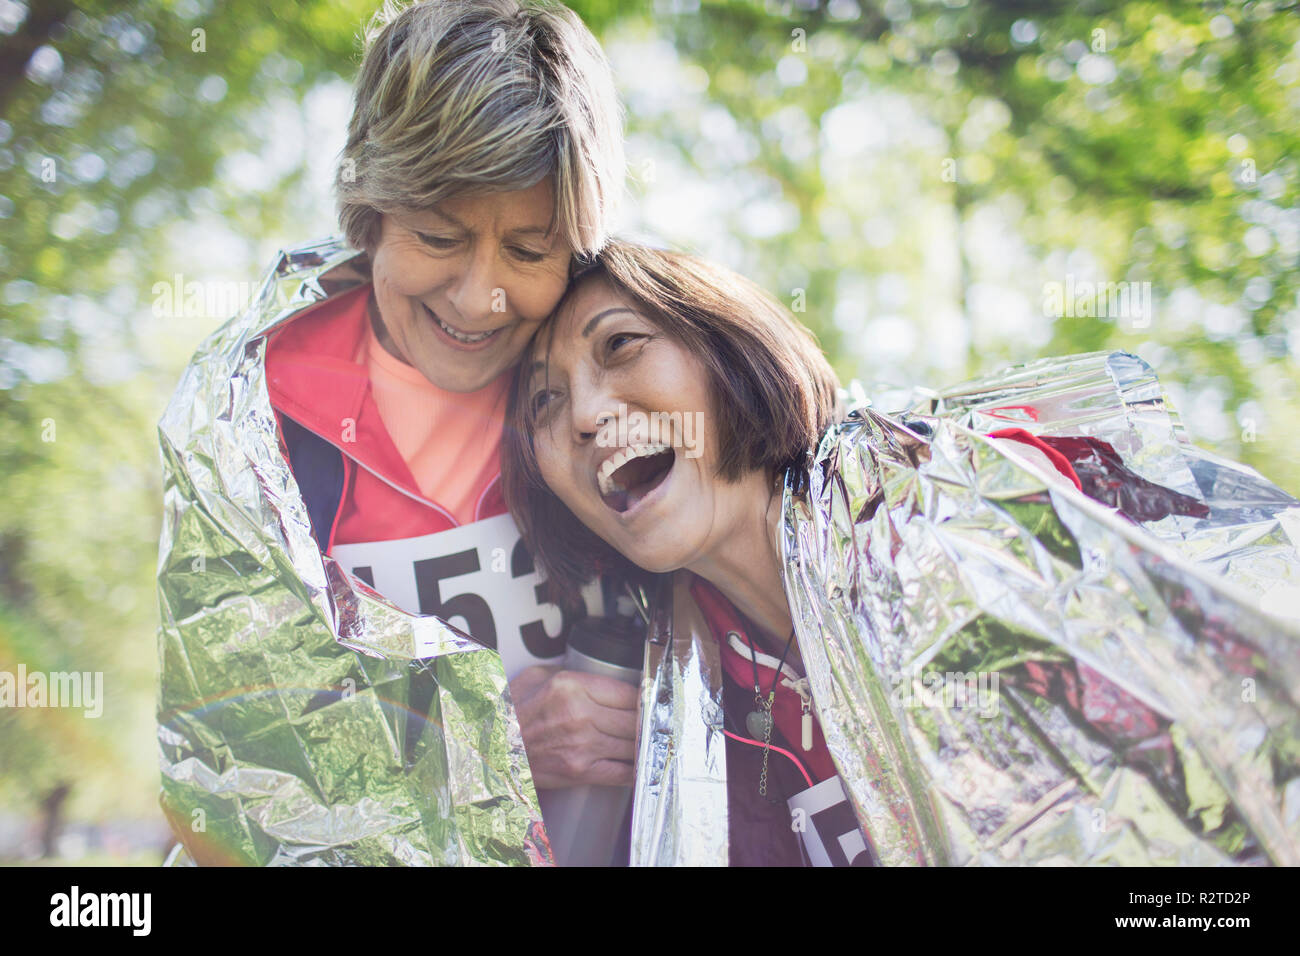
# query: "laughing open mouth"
631, 474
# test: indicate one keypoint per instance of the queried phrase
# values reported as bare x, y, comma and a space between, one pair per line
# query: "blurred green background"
913, 178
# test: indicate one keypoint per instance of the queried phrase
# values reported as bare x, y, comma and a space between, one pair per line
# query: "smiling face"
461, 288
623, 433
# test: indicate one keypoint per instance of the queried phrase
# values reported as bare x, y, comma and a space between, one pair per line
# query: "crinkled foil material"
1137, 682
1008, 672
679, 813
302, 719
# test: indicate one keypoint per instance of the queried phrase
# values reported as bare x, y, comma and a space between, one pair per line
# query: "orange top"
450, 440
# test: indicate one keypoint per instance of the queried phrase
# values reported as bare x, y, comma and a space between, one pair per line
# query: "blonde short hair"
466, 97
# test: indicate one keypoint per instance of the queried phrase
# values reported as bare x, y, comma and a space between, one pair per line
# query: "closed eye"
443, 243
526, 255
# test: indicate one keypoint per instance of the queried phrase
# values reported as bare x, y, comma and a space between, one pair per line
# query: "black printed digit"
536, 640
475, 611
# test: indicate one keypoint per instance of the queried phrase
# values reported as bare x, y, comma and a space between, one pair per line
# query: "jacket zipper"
801, 688
390, 484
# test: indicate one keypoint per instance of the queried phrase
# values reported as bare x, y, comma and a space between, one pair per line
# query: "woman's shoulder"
866, 431
299, 278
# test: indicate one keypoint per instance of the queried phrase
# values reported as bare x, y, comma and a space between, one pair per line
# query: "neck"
381, 331
746, 567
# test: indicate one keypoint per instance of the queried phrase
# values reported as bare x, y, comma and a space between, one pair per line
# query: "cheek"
556, 467
694, 397
534, 299
406, 272
677, 381
695, 378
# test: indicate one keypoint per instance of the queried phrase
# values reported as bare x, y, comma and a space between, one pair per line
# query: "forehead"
592, 296
562, 341
501, 211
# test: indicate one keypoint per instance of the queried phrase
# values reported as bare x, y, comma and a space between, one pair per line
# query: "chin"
655, 560
461, 380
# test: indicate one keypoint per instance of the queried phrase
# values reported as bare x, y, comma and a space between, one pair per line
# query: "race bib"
478, 577
825, 821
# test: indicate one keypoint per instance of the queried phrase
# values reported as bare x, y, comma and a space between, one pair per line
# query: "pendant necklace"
759, 720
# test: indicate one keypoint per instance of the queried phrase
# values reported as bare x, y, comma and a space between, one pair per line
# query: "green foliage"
1112, 142
123, 135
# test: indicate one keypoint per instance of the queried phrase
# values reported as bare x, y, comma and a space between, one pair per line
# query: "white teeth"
605, 477
460, 336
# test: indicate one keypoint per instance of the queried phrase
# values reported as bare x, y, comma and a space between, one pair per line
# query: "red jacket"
367, 511
314, 380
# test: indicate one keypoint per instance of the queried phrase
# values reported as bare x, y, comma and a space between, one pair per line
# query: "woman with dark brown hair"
942, 633
666, 401
708, 366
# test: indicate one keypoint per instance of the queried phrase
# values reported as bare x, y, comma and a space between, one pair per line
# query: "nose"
595, 409
476, 292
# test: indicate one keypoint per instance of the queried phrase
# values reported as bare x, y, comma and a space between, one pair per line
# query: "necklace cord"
765, 705
789, 643
753, 659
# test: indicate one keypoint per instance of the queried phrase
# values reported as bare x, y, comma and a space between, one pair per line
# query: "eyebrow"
538, 364
435, 211
531, 374
587, 329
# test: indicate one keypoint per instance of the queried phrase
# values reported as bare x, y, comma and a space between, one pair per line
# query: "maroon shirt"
760, 831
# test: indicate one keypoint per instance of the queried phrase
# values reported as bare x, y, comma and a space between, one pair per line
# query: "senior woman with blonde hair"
334, 521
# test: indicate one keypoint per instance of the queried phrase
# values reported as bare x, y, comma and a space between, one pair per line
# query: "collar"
312, 377
732, 629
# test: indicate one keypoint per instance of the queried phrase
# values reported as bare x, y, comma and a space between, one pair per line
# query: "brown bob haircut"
773, 394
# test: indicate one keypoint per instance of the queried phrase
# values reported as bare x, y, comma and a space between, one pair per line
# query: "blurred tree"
115, 122
1133, 142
